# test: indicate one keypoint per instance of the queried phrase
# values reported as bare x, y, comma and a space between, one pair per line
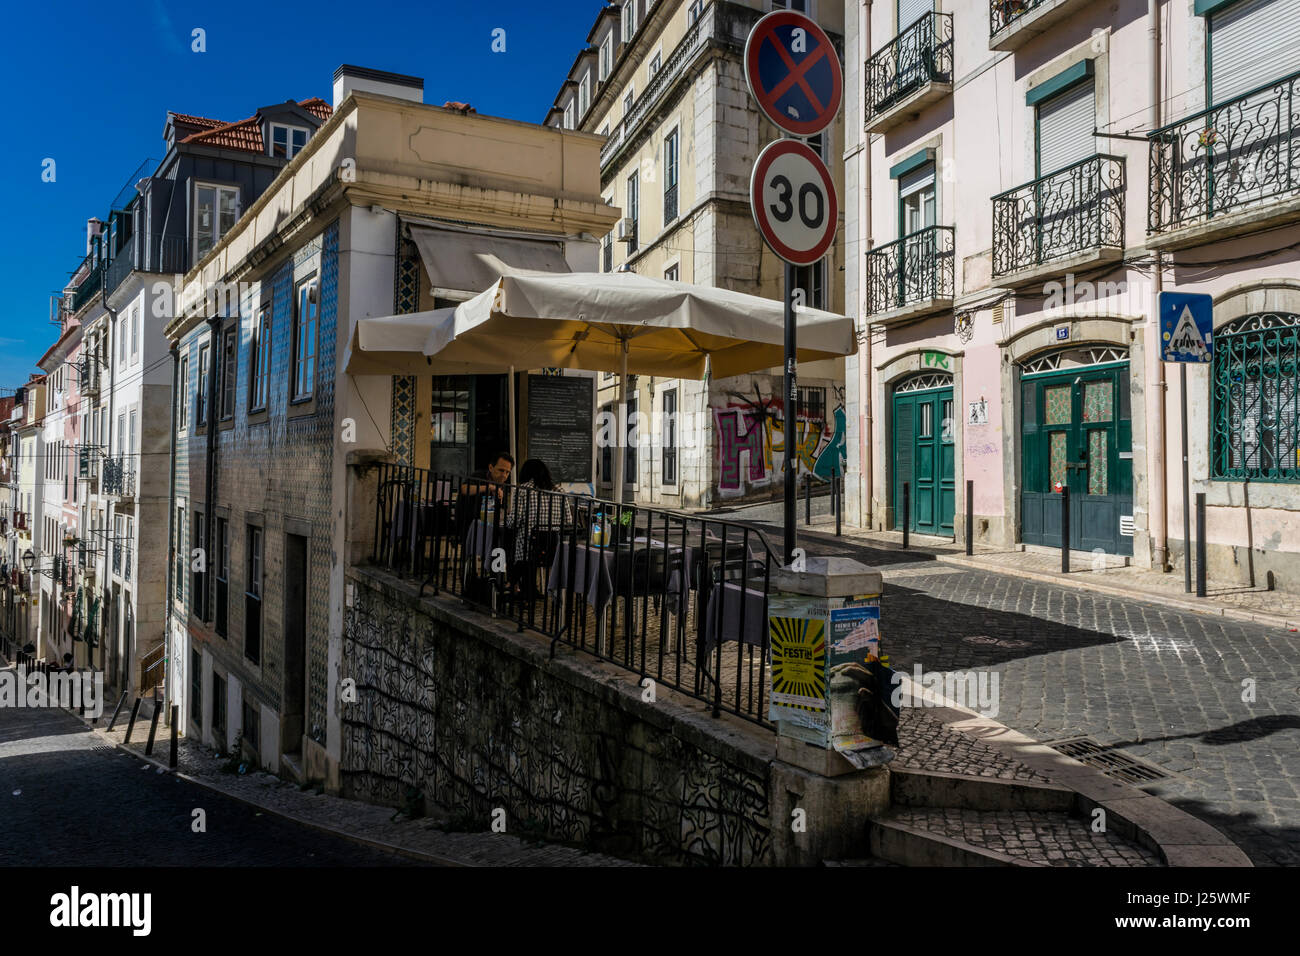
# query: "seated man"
483, 482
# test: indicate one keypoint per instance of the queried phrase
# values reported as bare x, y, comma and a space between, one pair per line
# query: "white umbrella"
613, 322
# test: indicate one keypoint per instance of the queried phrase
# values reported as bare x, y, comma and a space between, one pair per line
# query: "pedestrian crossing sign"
1186, 327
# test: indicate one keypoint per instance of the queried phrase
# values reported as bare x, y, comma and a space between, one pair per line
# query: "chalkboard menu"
560, 424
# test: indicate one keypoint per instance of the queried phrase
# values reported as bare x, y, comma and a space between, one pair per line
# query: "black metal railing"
1060, 215
675, 598
917, 268
118, 477
89, 287
1234, 156
88, 374
670, 204
1003, 13
919, 55
88, 459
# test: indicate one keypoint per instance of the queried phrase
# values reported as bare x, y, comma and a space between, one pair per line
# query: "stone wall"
476, 717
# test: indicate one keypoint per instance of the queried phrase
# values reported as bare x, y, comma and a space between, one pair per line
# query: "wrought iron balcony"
1068, 214
118, 477
911, 70
88, 457
670, 204
88, 374
20, 521
1004, 13
1013, 23
915, 271
1237, 156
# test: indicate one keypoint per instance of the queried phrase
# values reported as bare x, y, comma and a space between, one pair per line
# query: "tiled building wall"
274, 472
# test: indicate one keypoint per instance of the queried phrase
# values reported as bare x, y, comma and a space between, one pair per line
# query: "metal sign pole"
1187, 517
791, 408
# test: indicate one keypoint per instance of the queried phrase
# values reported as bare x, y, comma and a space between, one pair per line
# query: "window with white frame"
216, 208
135, 331
584, 95
568, 115
629, 20
628, 99
693, 12
656, 63
287, 141
801, 6
606, 56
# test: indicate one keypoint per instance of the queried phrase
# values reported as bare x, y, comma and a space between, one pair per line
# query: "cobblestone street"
1161, 685
71, 800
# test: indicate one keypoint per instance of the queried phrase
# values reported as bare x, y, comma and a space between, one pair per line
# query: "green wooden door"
924, 460
1076, 433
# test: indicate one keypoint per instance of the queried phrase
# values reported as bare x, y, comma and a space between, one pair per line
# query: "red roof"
246, 134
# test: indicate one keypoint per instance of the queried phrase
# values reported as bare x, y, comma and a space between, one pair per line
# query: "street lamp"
29, 559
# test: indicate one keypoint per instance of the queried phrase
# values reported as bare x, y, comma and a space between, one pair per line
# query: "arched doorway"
1076, 432
923, 453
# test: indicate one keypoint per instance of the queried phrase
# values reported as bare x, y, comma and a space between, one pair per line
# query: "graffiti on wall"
751, 442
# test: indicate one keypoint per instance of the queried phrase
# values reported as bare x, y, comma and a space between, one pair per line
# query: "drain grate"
1112, 763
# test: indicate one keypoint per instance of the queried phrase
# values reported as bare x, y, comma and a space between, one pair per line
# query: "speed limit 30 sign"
794, 202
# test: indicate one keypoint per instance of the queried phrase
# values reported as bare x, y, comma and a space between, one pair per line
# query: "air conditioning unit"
625, 231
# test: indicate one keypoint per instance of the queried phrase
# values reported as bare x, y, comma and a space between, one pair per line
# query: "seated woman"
537, 513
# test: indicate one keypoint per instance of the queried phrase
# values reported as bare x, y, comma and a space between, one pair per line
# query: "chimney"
94, 229
349, 79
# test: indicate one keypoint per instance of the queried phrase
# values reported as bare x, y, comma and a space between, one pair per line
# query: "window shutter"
1065, 126
909, 11
1251, 43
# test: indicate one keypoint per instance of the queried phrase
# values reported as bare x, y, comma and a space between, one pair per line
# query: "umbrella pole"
510, 414
620, 455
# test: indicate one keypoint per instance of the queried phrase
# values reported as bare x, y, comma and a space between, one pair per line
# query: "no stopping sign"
794, 202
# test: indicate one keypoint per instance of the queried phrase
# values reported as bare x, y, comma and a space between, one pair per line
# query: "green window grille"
1256, 398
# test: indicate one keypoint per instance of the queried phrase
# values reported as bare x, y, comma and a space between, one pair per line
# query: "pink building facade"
1029, 177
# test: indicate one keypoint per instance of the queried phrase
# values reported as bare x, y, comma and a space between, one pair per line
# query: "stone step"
946, 836
928, 788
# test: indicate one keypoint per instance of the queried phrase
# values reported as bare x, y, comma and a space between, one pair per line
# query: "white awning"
471, 261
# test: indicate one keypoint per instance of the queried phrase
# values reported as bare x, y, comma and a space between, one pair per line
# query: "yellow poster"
798, 662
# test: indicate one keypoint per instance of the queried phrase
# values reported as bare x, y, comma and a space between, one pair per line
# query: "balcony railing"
170, 256
1059, 216
88, 288
20, 521
118, 477
88, 457
1234, 156
678, 598
1003, 13
88, 375
670, 204
919, 55
915, 269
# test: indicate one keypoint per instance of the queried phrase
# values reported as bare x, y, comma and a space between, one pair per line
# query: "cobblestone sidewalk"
1231, 600
364, 822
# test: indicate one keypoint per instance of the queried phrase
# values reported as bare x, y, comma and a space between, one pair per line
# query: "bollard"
135, 709
172, 713
838, 480
1200, 545
153, 727
1065, 529
907, 511
117, 710
970, 517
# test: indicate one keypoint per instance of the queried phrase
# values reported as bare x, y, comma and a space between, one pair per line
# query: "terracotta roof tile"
246, 134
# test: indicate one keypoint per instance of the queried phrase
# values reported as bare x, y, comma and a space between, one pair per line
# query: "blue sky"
90, 85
